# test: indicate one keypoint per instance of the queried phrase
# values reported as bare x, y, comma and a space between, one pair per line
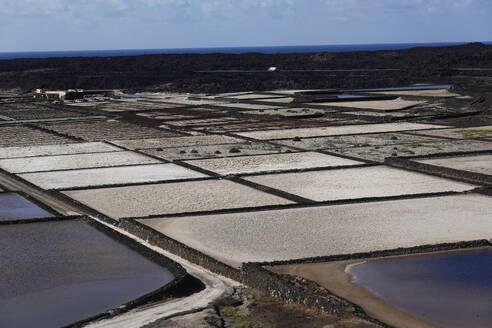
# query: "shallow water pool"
446, 289
56, 273
14, 207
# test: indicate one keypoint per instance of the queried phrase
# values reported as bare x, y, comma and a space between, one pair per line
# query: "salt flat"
109, 176
461, 133
479, 164
177, 142
170, 198
343, 229
384, 105
252, 96
58, 149
279, 100
288, 112
76, 161
443, 93
275, 162
354, 183
336, 130
246, 106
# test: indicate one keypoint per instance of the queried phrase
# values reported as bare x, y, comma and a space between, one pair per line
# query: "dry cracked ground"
273, 178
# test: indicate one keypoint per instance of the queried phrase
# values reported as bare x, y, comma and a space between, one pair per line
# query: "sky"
57, 25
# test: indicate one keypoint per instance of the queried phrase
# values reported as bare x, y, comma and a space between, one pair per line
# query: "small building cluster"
72, 94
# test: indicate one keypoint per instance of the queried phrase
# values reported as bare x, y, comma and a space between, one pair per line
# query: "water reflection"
449, 290
56, 273
14, 207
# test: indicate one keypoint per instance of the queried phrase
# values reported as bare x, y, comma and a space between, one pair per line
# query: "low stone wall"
179, 249
445, 172
422, 250
293, 290
289, 289
87, 210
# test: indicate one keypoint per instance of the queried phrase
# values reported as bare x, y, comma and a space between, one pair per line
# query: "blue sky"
28, 25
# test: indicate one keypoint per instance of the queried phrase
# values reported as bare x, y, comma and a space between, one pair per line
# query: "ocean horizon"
227, 50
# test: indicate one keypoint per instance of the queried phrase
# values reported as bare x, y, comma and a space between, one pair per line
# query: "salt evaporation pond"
447, 289
415, 87
56, 273
14, 207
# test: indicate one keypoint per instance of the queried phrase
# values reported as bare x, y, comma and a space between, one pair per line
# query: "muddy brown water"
56, 273
15, 207
448, 290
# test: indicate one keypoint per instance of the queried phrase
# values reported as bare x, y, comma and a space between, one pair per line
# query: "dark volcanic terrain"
278, 189
227, 73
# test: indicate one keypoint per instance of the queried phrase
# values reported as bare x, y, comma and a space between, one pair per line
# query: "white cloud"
32, 7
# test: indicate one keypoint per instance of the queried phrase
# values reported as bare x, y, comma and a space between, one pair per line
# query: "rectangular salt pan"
336, 130
60, 149
177, 142
383, 105
170, 198
356, 183
77, 161
110, 176
331, 230
276, 162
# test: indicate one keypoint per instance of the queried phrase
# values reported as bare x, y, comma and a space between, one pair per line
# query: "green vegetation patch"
470, 134
231, 313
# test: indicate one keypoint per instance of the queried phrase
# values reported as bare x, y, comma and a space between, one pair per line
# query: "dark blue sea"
230, 50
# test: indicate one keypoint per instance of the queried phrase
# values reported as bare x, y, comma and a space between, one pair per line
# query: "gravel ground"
22, 135
177, 142
336, 130
276, 162
462, 133
107, 130
227, 150
349, 141
379, 153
